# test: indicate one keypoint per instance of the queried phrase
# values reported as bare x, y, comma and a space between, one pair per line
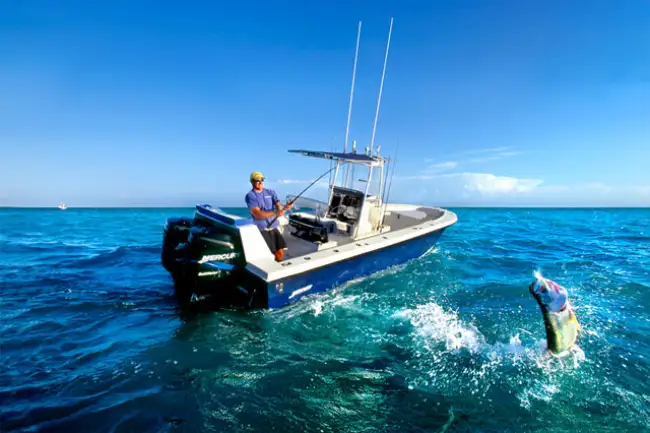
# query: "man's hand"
288, 206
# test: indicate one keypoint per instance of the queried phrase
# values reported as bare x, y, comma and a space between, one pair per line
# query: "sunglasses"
258, 180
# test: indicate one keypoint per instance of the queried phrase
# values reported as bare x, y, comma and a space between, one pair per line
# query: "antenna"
390, 183
332, 163
383, 183
354, 74
381, 87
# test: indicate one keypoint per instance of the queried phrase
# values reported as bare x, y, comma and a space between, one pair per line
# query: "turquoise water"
93, 340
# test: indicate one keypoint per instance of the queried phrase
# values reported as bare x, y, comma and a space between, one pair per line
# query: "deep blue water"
93, 340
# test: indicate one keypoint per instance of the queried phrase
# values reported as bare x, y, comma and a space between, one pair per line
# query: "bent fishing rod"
290, 202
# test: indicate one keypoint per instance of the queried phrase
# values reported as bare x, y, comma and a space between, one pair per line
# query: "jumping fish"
559, 320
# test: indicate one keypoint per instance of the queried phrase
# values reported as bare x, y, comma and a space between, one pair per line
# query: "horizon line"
441, 206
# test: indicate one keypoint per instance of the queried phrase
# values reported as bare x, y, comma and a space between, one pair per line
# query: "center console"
345, 205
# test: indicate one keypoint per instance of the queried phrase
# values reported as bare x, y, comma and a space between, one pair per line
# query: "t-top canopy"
353, 158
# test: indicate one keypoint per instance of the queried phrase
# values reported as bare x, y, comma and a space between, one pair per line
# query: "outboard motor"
175, 235
204, 255
214, 252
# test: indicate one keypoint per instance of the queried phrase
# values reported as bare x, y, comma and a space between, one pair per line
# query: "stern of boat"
205, 256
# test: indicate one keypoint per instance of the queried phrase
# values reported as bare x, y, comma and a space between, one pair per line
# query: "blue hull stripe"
291, 289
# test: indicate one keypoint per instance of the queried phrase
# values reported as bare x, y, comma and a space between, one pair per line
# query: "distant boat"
62, 206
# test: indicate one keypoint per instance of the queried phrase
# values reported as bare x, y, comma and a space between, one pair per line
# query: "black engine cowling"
175, 235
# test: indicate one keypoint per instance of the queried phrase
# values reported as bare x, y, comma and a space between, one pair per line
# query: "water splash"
455, 354
435, 325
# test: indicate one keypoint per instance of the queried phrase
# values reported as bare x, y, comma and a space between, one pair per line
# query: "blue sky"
492, 103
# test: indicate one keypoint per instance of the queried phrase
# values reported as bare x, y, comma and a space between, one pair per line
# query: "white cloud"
487, 150
595, 187
482, 155
417, 177
480, 183
291, 181
489, 189
551, 189
442, 166
489, 184
431, 172
301, 182
643, 189
494, 157
470, 188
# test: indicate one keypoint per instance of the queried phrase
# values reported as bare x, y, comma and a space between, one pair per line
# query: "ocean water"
92, 339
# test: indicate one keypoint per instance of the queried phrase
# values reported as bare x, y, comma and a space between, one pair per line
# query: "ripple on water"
93, 340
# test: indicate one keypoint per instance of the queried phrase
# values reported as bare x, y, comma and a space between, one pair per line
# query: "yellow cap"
256, 175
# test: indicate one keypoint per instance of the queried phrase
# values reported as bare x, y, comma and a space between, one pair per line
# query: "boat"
62, 206
222, 258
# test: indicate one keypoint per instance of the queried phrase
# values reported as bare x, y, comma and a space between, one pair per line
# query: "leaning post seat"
311, 227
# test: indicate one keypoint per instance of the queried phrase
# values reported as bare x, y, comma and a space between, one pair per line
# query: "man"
261, 203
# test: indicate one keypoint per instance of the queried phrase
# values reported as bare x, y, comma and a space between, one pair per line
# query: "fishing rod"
290, 202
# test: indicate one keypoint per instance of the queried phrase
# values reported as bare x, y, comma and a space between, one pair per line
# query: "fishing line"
302, 192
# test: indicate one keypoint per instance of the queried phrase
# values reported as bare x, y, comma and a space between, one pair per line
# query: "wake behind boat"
355, 233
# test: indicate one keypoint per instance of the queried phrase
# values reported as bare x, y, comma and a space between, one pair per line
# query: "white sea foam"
539, 390
435, 325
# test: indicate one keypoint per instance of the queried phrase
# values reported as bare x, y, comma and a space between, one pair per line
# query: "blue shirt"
265, 200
